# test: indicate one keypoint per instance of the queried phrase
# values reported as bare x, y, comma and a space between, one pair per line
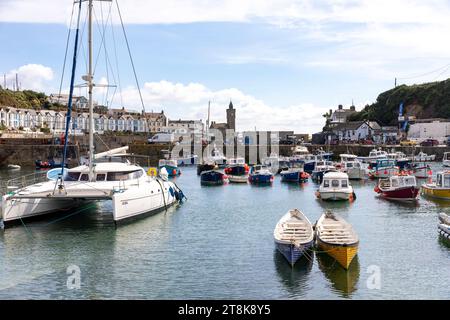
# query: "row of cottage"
55, 121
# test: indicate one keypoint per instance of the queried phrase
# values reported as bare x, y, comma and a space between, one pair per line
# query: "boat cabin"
443, 179
105, 172
348, 157
377, 153
351, 164
258, 168
399, 182
446, 156
335, 180
236, 161
168, 162
384, 163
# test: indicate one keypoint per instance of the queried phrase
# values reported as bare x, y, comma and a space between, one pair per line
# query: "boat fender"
376, 189
354, 195
172, 193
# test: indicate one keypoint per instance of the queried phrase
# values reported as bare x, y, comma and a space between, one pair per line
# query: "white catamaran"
106, 176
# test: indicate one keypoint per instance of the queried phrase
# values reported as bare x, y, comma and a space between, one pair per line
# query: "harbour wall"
24, 152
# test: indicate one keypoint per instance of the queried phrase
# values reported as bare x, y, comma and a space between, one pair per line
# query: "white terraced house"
55, 121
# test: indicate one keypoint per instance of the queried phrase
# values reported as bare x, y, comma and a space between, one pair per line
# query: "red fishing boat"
402, 187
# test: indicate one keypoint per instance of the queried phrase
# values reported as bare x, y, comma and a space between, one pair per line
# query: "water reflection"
344, 282
295, 279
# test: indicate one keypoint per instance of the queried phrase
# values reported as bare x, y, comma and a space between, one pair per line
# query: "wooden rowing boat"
336, 237
293, 235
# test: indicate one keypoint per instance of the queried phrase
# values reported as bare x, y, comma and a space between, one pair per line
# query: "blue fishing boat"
237, 170
293, 236
213, 178
294, 173
260, 175
171, 166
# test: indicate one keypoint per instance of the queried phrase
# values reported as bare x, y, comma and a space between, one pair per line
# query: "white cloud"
191, 101
376, 37
30, 76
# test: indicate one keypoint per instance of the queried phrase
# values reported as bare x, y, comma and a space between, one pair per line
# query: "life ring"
153, 172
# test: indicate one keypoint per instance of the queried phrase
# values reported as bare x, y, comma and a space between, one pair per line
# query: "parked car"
429, 143
408, 143
162, 138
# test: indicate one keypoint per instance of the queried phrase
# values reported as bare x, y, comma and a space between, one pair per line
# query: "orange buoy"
174, 172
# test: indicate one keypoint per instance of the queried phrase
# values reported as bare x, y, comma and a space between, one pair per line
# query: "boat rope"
69, 107
129, 53
162, 191
67, 49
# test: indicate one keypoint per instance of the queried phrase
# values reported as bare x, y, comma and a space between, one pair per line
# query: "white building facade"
432, 129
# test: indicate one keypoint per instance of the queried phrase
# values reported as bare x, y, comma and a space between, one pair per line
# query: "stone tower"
231, 117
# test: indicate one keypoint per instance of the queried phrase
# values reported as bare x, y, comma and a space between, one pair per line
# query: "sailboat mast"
90, 88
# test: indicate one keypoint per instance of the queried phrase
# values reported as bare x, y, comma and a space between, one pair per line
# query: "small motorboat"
335, 186
259, 174
213, 178
375, 154
13, 167
206, 166
323, 154
444, 225
50, 164
400, 159
383, 169
237, 170
294, 173
293, 235
401, 187
275, 163
423, 157
336, 237
170, 165
190, 159
354, 170
446, 159
419, 170
320, 169
440, 189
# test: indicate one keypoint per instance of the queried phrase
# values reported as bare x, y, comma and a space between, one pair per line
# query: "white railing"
24, 181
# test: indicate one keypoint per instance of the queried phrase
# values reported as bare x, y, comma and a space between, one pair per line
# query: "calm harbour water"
219, 245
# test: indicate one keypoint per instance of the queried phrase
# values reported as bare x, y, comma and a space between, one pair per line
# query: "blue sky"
283, 63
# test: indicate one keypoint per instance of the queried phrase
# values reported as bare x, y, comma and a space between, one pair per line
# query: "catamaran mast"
90, 88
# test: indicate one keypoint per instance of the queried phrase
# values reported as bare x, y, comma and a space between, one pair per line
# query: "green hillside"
428, 100
26, 99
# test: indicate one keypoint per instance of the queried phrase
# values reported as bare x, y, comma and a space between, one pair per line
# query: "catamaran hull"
16, 209
291, 252
136, 201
